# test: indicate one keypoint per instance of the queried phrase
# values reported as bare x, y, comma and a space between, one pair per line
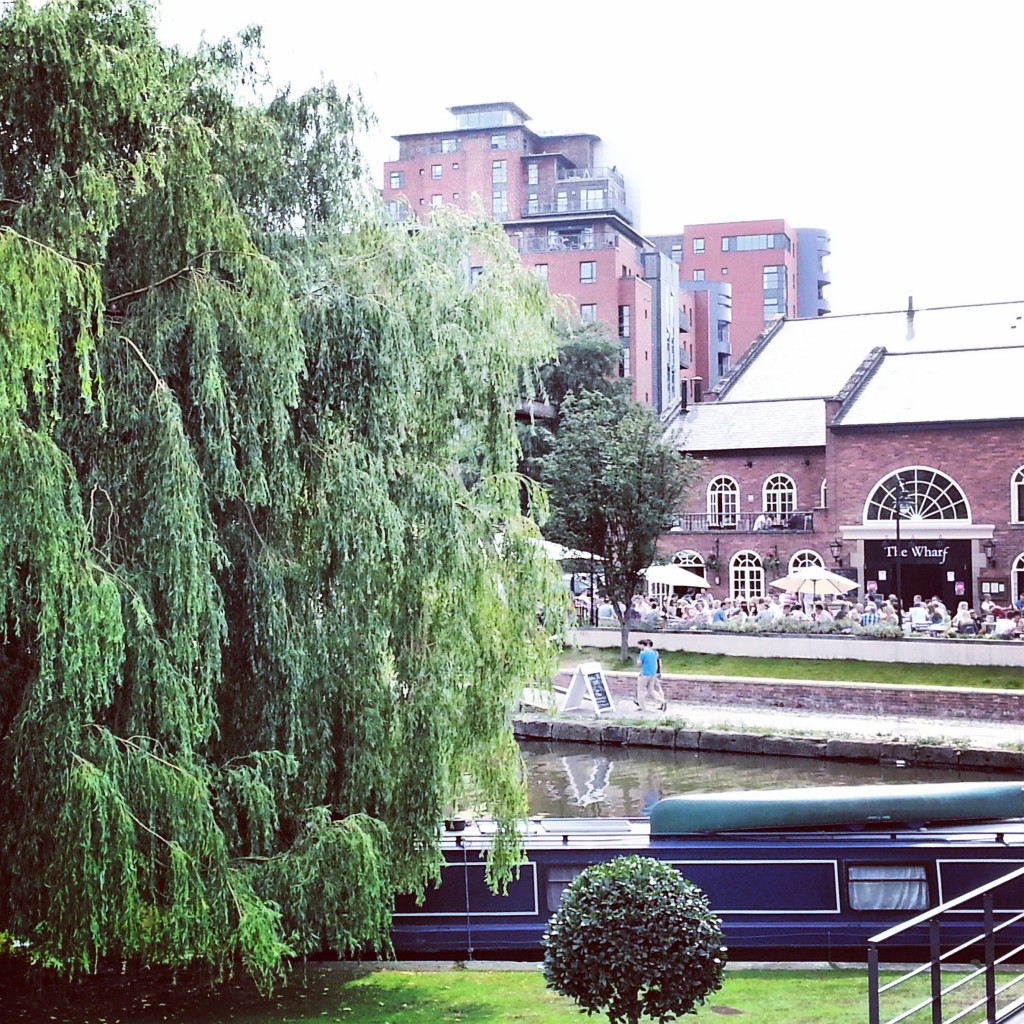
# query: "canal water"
579, 780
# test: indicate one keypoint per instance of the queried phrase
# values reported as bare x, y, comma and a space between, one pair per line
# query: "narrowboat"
793, 874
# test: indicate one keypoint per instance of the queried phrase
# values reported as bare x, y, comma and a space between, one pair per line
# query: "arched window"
746, 575
1017, 496
1017, 578
802, 559
689, 560
778, 496
926, 494
723, 502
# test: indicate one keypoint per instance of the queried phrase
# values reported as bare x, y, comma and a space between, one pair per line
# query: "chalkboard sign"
588, 684
599, 691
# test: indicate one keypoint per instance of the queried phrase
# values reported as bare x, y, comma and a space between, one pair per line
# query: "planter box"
905, 651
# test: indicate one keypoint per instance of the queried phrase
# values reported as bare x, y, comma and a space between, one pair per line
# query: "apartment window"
449, 145
677, 252
773, 280
398, 179
533, 203
532, 174
698, 245
499, 204
751, 243
474, 274
562, 202
725, 271
499, 142
541, 270
499, 172
592, 199
455, 195
436, 200
588, 271
624, 316
435, 171
588, 312
698, 275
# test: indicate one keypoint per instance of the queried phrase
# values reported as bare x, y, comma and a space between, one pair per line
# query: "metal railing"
591, 174
966, 949
597, 240
545, 208
743, 522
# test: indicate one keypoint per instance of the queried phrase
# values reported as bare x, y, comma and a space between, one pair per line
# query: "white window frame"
1017, 496
723, 502
778, 494
746, 575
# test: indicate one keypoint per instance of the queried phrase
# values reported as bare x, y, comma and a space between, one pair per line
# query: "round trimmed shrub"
633, 938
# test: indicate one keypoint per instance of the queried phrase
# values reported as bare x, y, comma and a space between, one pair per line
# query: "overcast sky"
894, 124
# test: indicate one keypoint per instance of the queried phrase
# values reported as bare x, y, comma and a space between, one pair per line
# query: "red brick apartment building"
682, 317
831, 428
759, 271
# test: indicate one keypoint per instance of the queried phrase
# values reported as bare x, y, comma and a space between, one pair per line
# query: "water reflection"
573, 780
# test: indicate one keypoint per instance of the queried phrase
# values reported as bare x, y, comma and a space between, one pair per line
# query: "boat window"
888, 887
559, 877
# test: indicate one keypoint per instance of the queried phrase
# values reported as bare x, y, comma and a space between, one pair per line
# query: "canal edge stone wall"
934, 755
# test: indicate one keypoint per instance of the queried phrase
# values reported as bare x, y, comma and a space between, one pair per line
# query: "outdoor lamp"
836, 547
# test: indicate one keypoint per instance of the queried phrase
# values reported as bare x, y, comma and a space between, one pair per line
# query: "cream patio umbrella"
816, 580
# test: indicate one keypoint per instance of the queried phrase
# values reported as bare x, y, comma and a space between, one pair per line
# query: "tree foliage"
633, 938
614, 486
255, 449
587, 360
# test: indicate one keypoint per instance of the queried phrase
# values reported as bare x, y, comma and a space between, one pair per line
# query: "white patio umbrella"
815, 579
561, 554
674, 576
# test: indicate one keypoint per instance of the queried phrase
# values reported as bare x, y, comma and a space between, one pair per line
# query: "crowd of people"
922, 617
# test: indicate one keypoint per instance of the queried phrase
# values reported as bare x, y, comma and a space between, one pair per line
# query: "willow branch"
145, 362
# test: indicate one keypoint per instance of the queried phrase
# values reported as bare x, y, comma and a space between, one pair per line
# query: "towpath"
884, 724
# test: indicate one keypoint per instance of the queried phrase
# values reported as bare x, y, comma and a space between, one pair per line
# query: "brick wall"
841, 698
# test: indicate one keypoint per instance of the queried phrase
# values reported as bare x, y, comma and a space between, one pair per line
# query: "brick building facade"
830, 426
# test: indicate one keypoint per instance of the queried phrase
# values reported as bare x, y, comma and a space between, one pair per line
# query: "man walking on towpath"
648, 683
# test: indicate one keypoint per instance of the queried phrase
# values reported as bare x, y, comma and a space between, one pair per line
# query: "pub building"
888, 447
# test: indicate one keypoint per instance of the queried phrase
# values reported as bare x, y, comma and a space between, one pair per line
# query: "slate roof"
953, 364
814, 358
729, 426
960, 385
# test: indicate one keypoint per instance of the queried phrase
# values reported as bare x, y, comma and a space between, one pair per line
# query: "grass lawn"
338, 995
683, 663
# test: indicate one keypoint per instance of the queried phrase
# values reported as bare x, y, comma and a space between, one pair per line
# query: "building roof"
954, 364
732, 426
815, 357
958, 385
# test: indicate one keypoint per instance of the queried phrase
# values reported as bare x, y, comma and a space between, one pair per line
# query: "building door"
926, 567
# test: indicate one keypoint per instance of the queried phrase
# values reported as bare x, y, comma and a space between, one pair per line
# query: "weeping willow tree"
266, 596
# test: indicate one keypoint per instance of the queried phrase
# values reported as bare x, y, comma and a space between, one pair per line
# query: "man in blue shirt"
647, 682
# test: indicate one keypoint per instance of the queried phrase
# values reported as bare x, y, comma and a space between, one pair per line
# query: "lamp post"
902, 505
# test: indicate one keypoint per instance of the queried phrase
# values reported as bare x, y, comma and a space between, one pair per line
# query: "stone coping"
544, 727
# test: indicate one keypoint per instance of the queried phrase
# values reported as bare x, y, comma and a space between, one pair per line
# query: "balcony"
684, 321
537, 208
595, 240
410, 150
591, 174
743, 522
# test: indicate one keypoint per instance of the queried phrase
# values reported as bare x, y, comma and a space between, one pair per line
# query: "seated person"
918, 615
762, 522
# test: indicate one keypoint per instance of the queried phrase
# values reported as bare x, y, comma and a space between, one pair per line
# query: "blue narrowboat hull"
796, 892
